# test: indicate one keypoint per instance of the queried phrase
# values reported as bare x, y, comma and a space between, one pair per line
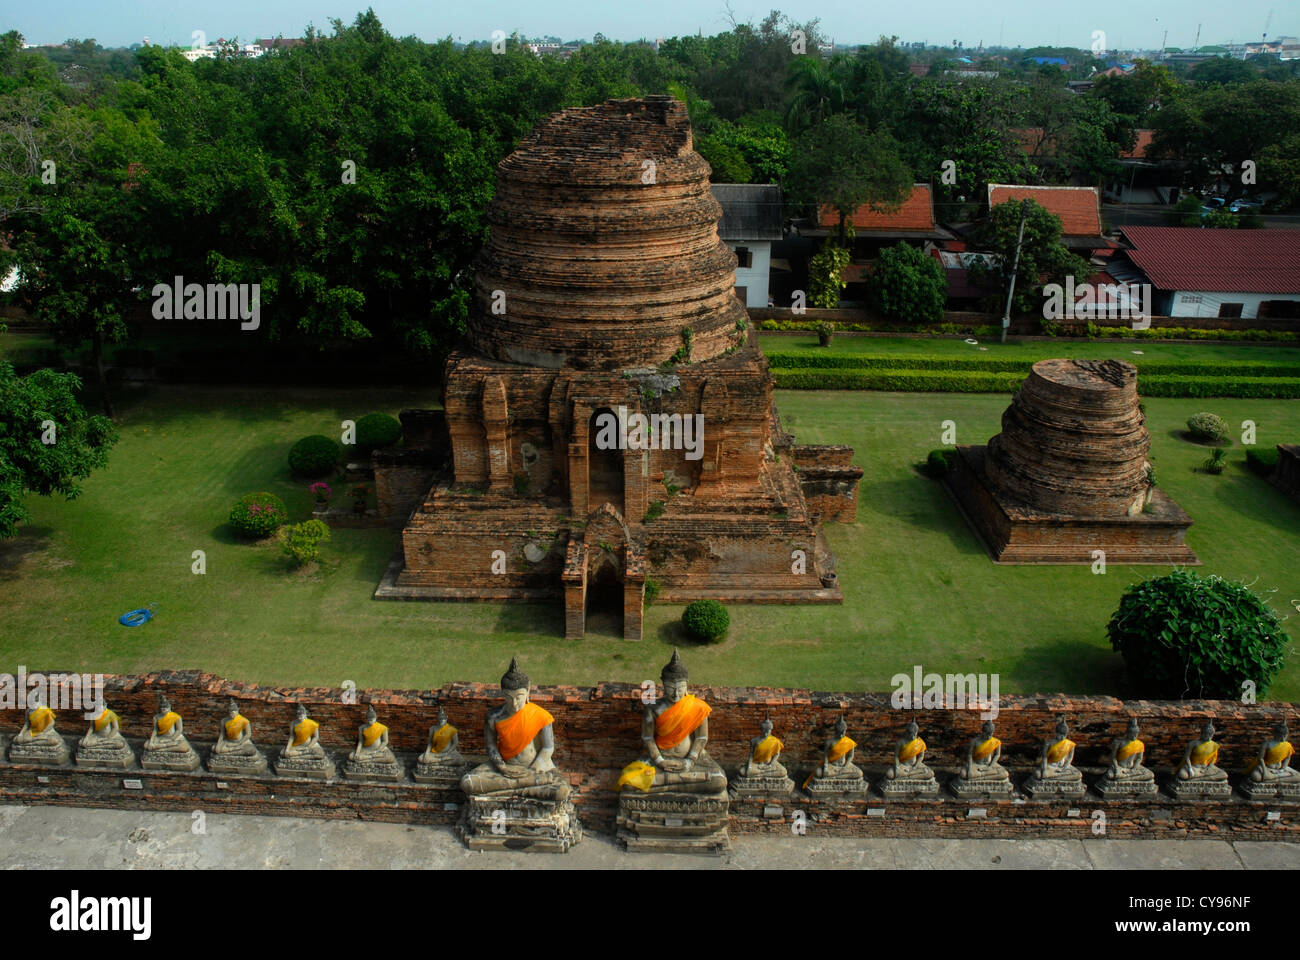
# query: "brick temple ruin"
1069, 474
604, 297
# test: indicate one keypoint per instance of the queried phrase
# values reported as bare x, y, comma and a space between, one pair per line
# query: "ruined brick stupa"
1069, 473
610, 414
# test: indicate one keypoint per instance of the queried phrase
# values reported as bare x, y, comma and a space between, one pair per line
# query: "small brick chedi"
1069, 473
610, 413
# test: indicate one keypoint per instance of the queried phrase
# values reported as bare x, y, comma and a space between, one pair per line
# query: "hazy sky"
1126, 23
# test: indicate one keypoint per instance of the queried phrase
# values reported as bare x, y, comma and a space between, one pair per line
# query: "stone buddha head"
514, 684
164, 705
232, 709
302, 711
766, 726
841, 726
1062, 728
987, 729
1207, 731
912, 730
674, 676
442, 717
371, 716
1280, 731
1132, 728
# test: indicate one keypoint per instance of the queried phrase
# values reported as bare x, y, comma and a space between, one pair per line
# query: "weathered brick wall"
402, 479
1287, 475
598, 732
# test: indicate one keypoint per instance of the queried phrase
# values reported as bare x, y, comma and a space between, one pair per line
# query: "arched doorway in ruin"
605, 597
604, 461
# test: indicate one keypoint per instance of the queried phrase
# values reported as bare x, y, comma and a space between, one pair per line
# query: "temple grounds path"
919, 588
43, 838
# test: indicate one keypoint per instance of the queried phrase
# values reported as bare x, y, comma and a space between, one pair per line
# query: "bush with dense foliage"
257, 515
376, 431
939, 462
1183, 635
909, 285
1207, 427
314, 455
301, 541
706, 619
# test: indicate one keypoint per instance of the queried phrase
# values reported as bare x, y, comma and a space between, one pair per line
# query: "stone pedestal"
513, 822
112, 754
775, 784
446, 775
837, 788
669, 821
922, 784
987, 788
380, 767
1200, 789
51, 752
1067, 787
1288, 789
313, 768
178, 761
237, 764
1129, 789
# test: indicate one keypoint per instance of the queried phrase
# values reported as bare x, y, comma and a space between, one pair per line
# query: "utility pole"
1015, 265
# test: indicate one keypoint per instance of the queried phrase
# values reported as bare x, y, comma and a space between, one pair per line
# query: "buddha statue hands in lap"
1126, 756
675, 733
1274, 761
764, 753
1057, 759
235, 738
520, 742
372, 741
1200, 759
983, 754
105, 730
168, 733
444, 742
38, 725
909, 757
304, 738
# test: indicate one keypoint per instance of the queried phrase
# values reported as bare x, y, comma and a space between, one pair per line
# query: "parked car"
1243, 205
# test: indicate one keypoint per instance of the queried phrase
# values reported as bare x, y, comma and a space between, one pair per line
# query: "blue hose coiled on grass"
138, 617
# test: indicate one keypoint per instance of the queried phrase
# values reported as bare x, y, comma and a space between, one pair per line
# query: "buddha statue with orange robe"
303, 755
674, 735
762, 772
1127, 774
103, 745
520, 741
441, 761
38, 741
373, 758
908, 775
1200, 775
1056, 774
167, 748
234, 751
1270, 774
982, 775
837, 773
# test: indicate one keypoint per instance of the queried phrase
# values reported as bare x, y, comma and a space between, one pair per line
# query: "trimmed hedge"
980, 381
314, 455
375, 431
706, 619
809, 359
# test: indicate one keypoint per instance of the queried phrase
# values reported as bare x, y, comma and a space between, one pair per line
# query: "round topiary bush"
258, 515
1207, 428
706, 619
1184, 635
377, 430
314, 455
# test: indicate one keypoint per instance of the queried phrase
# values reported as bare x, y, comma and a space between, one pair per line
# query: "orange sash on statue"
442, 737
303, 729
518, 730
986, 748
679, 721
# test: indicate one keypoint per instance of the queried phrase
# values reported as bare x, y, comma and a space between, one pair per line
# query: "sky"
1127, 24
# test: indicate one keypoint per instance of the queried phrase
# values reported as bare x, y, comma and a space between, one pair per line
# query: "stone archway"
603, 569
604, 461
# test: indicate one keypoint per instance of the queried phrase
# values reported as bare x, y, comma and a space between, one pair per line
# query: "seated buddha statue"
303, 755
1200, 774
167, 748
518, 800
103, 745
675, 797
441, 759
520, 741
909, 774
1056, 774
1271, 773
234, 751
1126, 773
38, 741
674, 735
837, 773
373, 758
763, 772
982, 774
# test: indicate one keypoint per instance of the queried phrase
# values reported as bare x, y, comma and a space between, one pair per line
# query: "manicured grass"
919, 588
1151, 350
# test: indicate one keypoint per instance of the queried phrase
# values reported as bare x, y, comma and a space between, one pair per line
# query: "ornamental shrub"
377, 430
301, 541
1183, 635
939, 462
706, 619
909, 285
1207, 427
257, 515
314, 455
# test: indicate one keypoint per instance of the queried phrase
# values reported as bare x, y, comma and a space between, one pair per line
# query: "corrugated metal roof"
1217, 259
750, 211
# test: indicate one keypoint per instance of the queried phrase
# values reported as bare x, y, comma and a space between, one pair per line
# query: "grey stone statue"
1127, 775
982, 775
38, 741
303, 755
103, 745
1056, 775
1271, 773
1200, 777
167, 748
837, 776
373, 759
762, 773
909, 776
234, 752
441, 763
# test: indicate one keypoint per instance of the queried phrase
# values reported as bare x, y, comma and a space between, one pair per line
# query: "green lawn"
919, 588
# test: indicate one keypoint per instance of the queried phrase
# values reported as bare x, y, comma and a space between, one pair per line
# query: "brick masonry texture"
598, 731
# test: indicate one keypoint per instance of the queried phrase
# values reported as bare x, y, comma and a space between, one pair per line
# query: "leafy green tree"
816, 91
826, 275
908, 285
47, 442
1223, 70
1183, 635
1043, 258
761, 143
839, 164
1140, 94
728, 163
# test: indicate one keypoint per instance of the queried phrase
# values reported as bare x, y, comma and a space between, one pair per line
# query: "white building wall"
755, 277
1196, 303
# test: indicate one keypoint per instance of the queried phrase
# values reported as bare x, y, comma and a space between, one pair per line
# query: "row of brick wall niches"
598, 731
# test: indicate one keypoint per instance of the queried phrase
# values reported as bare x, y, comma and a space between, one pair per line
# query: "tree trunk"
98, 341
842, 219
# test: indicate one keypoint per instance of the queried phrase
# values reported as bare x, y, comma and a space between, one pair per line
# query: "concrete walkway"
75, 838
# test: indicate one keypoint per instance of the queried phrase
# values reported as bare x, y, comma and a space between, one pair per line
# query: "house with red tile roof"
1078, 207
1207, 272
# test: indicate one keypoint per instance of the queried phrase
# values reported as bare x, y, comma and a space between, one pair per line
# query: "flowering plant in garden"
322, 492
257, 515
